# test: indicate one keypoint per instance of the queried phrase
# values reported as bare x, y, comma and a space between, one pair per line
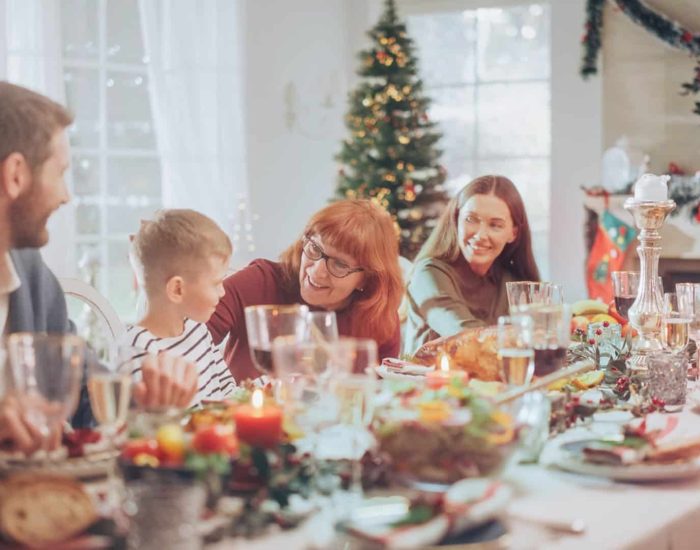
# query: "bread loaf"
44, 510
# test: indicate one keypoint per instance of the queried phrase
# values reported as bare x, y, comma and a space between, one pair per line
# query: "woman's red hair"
364, 231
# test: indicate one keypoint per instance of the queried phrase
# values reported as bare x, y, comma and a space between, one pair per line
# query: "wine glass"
109, 390
551, 334
516, 355
45, 372
355, 394
625, 288
323, 325
526, 293
355, 356
677, 316
264, 323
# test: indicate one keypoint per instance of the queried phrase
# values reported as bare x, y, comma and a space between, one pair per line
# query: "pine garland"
656, 23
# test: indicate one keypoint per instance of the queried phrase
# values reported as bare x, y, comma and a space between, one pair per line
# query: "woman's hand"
167, 381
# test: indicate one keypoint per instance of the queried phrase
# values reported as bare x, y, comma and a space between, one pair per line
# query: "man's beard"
27, 224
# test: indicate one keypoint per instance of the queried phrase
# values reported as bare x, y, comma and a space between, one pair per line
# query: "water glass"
524, 293
677, 316
551, 334
625, 288
164, 514
516, 355
533, 418
690, 293
45, 372
264, 323
356, 355
666, 379
322, 326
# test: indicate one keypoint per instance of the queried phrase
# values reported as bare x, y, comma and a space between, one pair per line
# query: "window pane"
125, 218
531, 177
84, 102
124, 41
79, 29
86, 175
134, 176
453, 109
514, 119
514, 42
88, 219
446, 45
129, 111
122, 293
461, 174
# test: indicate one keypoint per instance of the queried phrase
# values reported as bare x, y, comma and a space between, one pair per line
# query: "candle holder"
646, 311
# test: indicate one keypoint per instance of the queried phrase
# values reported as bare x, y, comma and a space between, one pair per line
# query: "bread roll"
44, 510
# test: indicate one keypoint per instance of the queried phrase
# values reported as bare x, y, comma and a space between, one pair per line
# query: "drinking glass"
677, 316
516, 355
264, 323
323, 326
690, 293
109, 387
551, 332
356, 355
45, 371
524, 293
625, 288
356, 395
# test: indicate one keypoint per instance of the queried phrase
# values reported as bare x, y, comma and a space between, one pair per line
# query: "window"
487, 72
115, 166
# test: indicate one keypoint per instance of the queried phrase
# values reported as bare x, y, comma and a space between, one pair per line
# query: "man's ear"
15, 175
175, 289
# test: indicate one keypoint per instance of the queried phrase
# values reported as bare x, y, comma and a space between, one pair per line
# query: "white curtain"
195, 60
31, 55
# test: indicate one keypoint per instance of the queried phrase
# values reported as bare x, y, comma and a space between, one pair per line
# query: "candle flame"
445, 363
257, 399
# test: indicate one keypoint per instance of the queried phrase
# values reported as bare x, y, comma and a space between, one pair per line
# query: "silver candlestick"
645, 315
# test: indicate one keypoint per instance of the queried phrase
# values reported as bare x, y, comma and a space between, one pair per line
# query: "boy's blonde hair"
175, 242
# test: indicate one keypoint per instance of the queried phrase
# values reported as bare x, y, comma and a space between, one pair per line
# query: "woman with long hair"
346, 260
481, 241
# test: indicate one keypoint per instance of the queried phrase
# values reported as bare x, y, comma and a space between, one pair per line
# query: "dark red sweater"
261, 283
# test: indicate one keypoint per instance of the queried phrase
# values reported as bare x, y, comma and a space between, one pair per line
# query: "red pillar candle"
258, 424
443, 375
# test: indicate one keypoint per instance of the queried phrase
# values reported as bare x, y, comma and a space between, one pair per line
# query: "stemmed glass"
526, 293
677, 315
516, 354
264, 323
322, 326
45, 371
690, 292
109, 389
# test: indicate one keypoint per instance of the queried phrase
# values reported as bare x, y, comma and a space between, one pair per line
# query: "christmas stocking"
607, 255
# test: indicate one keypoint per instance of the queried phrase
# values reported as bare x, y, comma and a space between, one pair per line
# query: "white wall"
300, 63
576, 147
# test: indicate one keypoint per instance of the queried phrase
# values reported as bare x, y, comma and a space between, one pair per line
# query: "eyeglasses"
336, 267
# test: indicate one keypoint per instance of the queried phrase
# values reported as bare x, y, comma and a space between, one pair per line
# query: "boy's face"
203, 291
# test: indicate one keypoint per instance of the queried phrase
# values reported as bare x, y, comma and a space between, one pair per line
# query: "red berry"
598, 332
591, 342
606, 324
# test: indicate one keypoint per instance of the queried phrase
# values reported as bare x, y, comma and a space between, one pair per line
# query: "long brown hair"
517, 256
366, 232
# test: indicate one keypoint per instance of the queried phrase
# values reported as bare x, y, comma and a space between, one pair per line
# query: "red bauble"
687, 37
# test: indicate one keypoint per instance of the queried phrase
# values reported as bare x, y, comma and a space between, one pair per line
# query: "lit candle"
258, 424
651, 188
442, 376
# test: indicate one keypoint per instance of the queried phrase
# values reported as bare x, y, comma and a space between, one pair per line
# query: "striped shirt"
194, 344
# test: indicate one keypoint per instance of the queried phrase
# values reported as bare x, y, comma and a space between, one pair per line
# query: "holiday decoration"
607, 255
659, 25
390, 155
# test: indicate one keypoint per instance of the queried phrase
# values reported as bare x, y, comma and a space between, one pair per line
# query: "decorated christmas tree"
390, 156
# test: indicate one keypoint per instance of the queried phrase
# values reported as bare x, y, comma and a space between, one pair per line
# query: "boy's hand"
167, 381
18, 434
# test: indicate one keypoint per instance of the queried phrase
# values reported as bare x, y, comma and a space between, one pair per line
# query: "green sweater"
443, 301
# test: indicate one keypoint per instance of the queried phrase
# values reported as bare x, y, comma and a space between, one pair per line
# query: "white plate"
569, 458
392, 374
91, 465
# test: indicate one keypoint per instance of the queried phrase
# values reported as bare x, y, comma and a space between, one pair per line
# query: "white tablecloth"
662, 515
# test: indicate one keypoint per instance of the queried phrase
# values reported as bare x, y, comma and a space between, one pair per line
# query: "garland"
659, 25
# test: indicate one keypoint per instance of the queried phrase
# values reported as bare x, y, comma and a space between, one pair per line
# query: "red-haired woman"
481, 241
346, 261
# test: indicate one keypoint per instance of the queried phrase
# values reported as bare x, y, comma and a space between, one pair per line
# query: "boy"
181, 258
